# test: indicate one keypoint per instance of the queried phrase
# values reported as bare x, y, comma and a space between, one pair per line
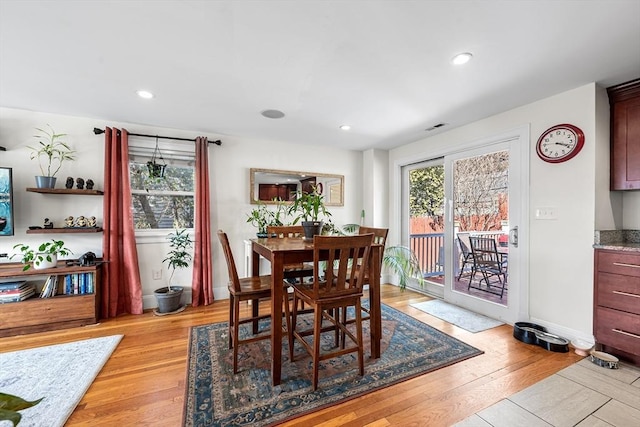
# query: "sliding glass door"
475, 195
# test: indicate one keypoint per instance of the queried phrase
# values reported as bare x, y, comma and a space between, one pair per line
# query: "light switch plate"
547, 212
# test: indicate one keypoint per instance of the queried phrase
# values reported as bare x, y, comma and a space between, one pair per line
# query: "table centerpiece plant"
309, 209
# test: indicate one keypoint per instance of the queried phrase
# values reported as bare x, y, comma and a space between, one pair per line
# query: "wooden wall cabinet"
46, 314
616, 320
624, 100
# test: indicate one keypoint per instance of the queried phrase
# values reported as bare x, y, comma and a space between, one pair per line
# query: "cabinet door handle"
629, 334
622, 264
626, 294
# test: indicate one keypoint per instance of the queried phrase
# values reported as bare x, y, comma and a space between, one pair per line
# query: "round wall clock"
560, 143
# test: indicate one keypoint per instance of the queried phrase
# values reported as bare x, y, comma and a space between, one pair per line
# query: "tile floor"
583, 395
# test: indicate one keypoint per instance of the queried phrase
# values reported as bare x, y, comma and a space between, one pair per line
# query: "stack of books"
16, 291
50, 287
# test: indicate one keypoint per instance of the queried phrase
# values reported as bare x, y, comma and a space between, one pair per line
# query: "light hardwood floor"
143, 383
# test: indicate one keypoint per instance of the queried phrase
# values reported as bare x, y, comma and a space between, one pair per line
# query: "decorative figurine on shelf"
69, 221
92, 222
80, 183
69, 183
47, 223
89, 184
81, 221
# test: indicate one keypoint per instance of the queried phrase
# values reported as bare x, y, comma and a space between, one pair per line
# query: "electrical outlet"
548, 212
156, 274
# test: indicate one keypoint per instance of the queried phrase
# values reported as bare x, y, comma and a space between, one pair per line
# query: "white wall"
229, 166
561, 254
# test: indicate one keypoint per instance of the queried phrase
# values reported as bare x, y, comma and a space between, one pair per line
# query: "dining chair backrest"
234, 280
464, 239
349, 256
485, 252
379, 234
282, 231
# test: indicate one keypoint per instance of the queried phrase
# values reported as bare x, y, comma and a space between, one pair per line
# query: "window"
166, 202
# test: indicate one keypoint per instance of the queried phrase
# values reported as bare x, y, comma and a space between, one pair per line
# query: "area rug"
60, 373
217, 397
463, 318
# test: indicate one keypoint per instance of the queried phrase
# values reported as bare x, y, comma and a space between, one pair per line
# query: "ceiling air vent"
434, 127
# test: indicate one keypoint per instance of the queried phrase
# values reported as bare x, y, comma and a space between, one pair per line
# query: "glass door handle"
513, 236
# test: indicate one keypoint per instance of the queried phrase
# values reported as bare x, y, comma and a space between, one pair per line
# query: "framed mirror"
265, 185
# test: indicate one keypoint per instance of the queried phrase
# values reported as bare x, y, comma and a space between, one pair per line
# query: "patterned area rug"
60, 373
463, 318
217, 397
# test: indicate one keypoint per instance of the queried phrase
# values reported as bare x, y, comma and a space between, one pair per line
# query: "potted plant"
10, 405
308, 209
262, 217
51, 152
403, 262
44, 256
169, 297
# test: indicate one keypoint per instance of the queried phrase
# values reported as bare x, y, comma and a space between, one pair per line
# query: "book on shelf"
14, 284
16, 295
78, 284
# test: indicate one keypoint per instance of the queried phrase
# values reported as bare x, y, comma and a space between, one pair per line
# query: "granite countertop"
618, 240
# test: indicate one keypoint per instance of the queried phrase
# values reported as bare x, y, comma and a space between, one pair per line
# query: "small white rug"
463, 318
60, 373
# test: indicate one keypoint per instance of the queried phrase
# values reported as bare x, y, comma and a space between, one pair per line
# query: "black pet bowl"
526, 332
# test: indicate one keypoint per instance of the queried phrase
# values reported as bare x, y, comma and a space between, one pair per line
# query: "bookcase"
46, 314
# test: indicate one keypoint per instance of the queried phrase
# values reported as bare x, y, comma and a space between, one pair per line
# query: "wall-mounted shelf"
65, 230
65, 191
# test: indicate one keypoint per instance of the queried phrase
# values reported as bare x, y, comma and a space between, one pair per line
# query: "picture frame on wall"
6, 202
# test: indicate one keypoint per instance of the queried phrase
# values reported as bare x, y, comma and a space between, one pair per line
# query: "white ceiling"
381, 66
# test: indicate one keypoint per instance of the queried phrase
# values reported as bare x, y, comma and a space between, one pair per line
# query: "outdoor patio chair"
467, 255
490, 263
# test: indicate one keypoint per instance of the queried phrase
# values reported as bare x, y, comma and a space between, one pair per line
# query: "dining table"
293, 250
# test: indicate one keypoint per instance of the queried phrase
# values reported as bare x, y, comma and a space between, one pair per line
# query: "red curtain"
121, 290
202, 283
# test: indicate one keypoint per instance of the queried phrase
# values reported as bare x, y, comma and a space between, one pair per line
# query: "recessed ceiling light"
144, 94
345, 127
461, 58
273, 114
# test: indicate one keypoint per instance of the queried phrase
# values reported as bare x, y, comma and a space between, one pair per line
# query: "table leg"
277, 277
374, 301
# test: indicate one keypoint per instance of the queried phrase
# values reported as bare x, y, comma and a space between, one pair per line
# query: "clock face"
560, 143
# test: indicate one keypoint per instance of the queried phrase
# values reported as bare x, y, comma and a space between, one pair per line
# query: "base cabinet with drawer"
617, 303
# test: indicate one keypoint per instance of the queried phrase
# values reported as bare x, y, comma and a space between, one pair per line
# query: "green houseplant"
262, 217
169, 297
309, 209
50, 152
403, 262
44, 256
10, 405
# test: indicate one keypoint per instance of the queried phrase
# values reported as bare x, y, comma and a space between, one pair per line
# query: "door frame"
520, 140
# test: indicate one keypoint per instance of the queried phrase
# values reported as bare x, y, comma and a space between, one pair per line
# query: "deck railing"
429, 249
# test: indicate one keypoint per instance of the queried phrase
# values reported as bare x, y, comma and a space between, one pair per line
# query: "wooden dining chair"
490, 263
291, 271
340, 287
251, 289
379, 237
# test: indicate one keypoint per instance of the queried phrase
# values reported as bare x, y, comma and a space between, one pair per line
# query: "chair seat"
253, 287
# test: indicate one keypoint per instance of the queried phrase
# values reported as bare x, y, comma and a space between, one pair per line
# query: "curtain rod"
98, 131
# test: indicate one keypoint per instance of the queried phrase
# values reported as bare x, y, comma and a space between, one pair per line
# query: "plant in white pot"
44, 256
169, 297
309, 210
51, 152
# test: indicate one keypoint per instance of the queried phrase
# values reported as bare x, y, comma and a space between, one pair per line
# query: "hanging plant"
156, 170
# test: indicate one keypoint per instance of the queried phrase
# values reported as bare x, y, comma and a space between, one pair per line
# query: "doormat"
463, 318
60, 374
217, 397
